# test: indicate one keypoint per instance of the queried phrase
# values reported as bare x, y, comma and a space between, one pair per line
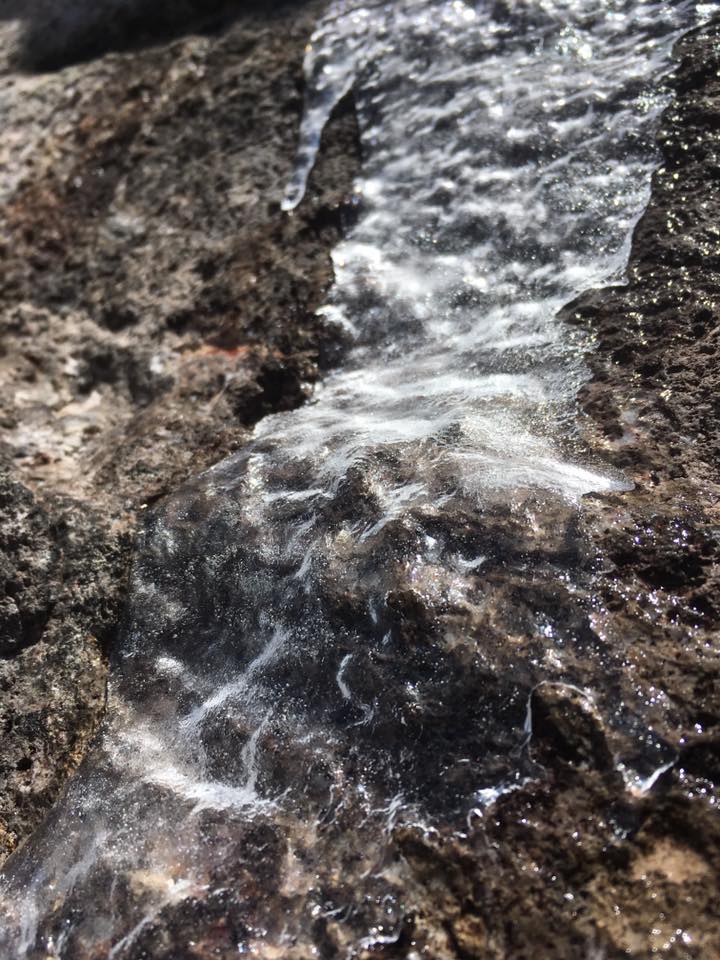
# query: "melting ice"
313, 655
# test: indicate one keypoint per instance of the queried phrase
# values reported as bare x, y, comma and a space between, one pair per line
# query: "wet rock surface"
154, 303
574, 859
651, 408
61, 570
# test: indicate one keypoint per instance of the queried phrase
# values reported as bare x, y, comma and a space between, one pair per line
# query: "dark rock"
28, 567
154, 303
63, 569
190, 253
563, 721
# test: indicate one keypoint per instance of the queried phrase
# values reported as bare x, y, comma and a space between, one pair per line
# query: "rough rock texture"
149, 312
579, 863
652, 409
61, 571
154, 303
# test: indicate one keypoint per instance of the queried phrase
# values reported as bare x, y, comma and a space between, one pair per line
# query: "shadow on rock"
57, 33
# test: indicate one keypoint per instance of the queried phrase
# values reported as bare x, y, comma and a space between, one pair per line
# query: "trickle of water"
335, 633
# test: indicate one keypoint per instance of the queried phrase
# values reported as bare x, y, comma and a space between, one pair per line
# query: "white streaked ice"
506, 157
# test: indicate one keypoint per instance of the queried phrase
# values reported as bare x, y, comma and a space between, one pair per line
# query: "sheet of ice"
507, 152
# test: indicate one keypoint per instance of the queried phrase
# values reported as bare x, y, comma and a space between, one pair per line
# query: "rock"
650, 409
28, 565
154, 303
63, 570
564, 722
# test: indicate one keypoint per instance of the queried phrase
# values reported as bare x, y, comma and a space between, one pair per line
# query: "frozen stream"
318, 644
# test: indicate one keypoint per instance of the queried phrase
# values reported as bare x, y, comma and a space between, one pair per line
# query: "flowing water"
332, 636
